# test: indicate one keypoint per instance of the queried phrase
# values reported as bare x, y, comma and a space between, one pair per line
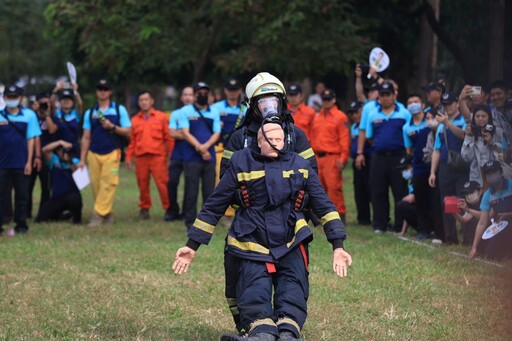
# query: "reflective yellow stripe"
204, 226
232, 305
304, 172
248, 246
307, 153
250, 176
288, 321
298, 225
329, 216
286, 174
257, 323
227, 154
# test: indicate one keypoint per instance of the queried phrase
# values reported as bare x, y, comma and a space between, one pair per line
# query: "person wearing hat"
268, 242
201, 129
177, 156
330, 139
450, 178
416, 134
497, 198
407, 209
266, 102
361, 177
434, 91
151, 144
303, 115
469, 205
68, 115
18, 130
385, 127
104, 128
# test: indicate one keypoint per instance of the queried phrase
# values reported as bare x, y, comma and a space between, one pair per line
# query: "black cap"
386, 87
374, 86
433, 86
294, 89
42, 95
13, 90
233, 84
491, 166
470, 187
328, 94
66, 93
201, 85
448, 98
354, 106
405, 162
104, 84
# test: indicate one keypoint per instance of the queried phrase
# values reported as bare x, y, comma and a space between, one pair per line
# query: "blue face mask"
12, 103
414, 108
407, 174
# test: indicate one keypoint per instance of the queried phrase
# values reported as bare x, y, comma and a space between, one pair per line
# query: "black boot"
288, 336
256, 337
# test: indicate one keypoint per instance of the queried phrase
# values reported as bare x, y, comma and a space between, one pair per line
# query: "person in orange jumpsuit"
330, 139
303, 115
151, 144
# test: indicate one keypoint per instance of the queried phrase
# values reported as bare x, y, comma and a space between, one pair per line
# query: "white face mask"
432, 123
472, 198
407, 174
12, 103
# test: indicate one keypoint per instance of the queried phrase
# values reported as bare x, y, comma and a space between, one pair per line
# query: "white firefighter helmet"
264, 83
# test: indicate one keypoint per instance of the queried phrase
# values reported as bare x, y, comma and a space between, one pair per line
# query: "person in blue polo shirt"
65, 197
497, 200
361, 176
449, 138
384, 126
68, 116
104, 125
18, 130
416, 134
201, 130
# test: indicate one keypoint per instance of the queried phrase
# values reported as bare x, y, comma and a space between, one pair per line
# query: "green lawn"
65, 283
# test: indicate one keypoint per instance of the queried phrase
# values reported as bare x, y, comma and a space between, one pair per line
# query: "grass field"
63, 282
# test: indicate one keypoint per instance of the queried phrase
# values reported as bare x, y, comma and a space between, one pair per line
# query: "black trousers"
450, 183
54, 208
362, 194
19, 182
383, 175
437, 213
44, 178
408, 212
422, 198
175, 170
8, 211
195, 173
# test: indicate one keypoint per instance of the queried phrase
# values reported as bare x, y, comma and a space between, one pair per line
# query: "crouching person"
270, 237
65, 200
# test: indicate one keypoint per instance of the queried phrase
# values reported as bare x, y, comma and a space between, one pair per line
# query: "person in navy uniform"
68, 116
384, 127
18, 129
270, 238
361, 176
65, 200
201, 128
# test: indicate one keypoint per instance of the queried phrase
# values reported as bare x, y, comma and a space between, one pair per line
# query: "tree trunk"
425, 52
496, 39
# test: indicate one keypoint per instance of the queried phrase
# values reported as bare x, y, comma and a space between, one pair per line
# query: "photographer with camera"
483, 142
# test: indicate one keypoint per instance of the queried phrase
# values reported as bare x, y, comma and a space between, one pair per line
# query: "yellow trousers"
219, 150
104, 174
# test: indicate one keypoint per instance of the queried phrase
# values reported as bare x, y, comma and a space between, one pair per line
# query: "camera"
489, 128
43, 106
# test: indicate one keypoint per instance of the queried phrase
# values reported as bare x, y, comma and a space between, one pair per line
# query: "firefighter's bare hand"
184, 257
341, 260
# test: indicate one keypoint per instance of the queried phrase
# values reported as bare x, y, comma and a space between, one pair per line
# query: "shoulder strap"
12, 124
208, 124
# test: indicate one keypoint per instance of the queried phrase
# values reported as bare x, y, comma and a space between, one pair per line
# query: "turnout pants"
104, 172
20, 183
145, 166
290, 288
383, 174
331, 179
196, 172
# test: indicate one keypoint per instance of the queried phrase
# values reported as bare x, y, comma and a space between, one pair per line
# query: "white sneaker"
437, 241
